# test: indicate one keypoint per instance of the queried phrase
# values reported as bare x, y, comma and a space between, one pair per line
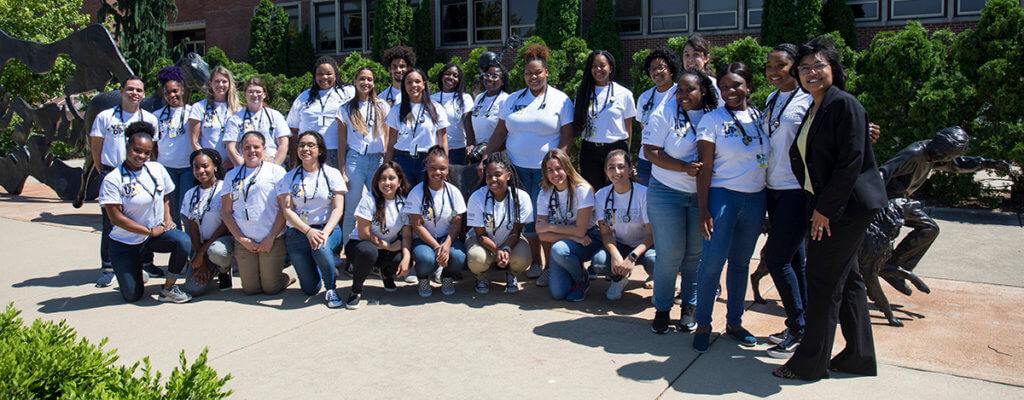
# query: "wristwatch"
632, 257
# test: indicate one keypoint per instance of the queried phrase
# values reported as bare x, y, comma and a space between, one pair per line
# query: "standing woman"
670, 142
252, 214
456, 104
603, 115
209, 117
497, 212
833, 160
697, 55
311, 197
435, 208
137, 196
382, 237
662, 65
257, 117
565, 208
414, 126
487, 105
730, 192
532, 122
211, 240
361, 136
626, 237
398, 60
173, 146
316, 108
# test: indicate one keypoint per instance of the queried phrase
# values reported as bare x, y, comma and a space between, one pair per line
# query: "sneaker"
579, 291
544, 279
534, 271
591, 273
412, 279
511, 283
678, 299
718, 292
425, 289
483, 286
741, 335
687, 319
701, 341
153, 271
615, 288
784, 349
352, 302
649, 283
174, 294
389, 284
145, 277
106, 279
436, 276
779, 337
224, 282
447, 286
332, 299
660, 324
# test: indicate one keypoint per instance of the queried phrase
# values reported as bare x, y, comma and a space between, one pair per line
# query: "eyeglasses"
492, 77
806, 69
659, 68
307, 145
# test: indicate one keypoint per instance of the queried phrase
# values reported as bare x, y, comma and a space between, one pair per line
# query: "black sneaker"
660, 324
687, 319
389, 284
352, 302
153, 271
785, 349
779, 337
224, 280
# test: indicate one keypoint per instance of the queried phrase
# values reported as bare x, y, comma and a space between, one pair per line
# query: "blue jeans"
412, 167
737, 218
784, 253
566, 265
425, 261
359, 168
127, 260
312, 266
457, 156
531, 179
643, 171
183, 181
599, 262
675, 223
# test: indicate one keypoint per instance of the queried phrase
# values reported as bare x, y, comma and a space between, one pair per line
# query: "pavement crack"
271, 337
999, 352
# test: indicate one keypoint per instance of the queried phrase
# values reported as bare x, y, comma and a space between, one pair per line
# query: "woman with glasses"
257, 117
483, 118
662, 65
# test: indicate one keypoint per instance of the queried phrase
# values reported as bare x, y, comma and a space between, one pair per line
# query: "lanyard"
427, 202
120, 117
300, 173
646, 111
455, 96
773, 125
686, 117
249, 117
240, 176
391, 95
543, 101
609, 213
166, 115
505, 215
608, 99
746, 139
555, 207
212, 111
399, 203
323, 103
200, 212
134, 177
487, 114
418, 121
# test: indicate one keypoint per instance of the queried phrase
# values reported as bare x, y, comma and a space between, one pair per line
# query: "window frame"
298, 7
960, 12
748, 9
686, 18
878, 9
735, 12
476, 28
315, 26
363, 39
639, 18
893, 16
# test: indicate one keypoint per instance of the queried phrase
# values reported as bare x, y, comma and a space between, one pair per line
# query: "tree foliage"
837, 15
777, 23
422, 35
354, 62
301, 53
754, 55
603, 32
808, 15
259, 35
392, 23
139, 27
269, 44
277, 62
557, 21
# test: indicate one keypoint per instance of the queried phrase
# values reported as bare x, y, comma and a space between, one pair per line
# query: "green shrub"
392, 23
838, 16
260, 46
301, 54
603, 33
641, 79
949, 189
754, 55
354, 62
676, 44
557, 21
421, 37
149, 78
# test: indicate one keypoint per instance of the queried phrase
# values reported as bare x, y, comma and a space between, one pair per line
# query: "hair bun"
537, 51
171, 73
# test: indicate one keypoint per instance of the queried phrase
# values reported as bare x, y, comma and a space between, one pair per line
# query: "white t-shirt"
534, 124
173, 140
312, 192
651, 100
394, 218
253, 193
484, 115
203, 208
318, 114
437, 215
629, 231
738, 166
392, 95
498, 217
668, 128
110, 124
267, 121
418, 132
456, 132
212, 121
780, 171
718, 92
141, 196
608, 108
564, 213
364, 144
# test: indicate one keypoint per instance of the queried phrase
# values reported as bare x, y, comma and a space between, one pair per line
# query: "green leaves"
139, 29
603, 33
392, 23
557, 21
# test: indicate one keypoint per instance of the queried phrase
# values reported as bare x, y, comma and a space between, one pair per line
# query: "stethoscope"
200, 212
455, 97
593, 112
118, 130
487, 114
166, 115
609, 213
419, 120
247, 117
505, 216
299, 190
133, 180
746, 138
554, 206
516, 107
237, 182
679, 125
399, 203
427, 202
391, 95
211, 113
321, 100
774, 124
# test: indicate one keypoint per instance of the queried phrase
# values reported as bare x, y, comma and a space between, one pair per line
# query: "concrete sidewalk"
959, 342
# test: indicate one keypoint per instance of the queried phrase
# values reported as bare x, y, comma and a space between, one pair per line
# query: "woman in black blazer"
833, 159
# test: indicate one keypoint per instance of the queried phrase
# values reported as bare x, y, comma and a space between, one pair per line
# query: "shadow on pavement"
82, 219
68, 278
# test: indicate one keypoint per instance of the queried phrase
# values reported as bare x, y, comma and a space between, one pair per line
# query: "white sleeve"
599, 211
185, 210
334, 177
413, 201
459, 201
284, 185
707, 128
475, 211
197, 111
565, 115
393, 119
542, 200
169, 186
294, 118
585, 196
468, 103
98, 124
442, 116
231, 129
643, 207
526, 207
365, 208
629, 108
149, 117
280, 125
656, 129
110, 192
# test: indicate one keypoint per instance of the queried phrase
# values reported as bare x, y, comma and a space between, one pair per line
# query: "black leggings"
363, 256
592, 157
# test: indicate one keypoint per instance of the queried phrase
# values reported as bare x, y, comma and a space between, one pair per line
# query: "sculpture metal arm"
973, 164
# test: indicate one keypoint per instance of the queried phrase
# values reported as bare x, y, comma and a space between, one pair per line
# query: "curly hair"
403, 52
170, 74
537, 52
670, 57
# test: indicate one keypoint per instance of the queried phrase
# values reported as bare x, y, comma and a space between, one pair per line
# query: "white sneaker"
649, 283
483, 286
106, 279
332, 299
615, 289
352, 302
511, 283
534, 271
425, 289
447, 286
543, 279
412, 279
174, 295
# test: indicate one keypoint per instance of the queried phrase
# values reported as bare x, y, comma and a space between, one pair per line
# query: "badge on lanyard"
762, 160
325, 120
209, 119
304, 216
248, 125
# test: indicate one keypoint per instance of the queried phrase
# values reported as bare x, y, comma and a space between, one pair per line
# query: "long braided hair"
501, 160
215, 160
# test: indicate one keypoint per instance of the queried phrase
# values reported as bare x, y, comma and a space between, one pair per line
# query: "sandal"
785, 373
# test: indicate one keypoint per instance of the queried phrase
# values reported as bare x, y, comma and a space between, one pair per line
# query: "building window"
755, 8
454, 22
628, 13
487, 21
371, 8
522, 17
669, 15
864, 10
351, 25
717, 14
916, 8
326, 27
294, 18
969, 7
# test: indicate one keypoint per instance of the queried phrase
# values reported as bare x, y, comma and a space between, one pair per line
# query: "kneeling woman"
254, 218
210, 238
497, 213
565, 208
382, 237
625, 228
137, 198
312, 200
435, 209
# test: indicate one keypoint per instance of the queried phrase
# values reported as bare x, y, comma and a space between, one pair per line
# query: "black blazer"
840, 161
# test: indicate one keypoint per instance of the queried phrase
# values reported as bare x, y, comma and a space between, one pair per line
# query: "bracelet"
307, 230
150, 232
